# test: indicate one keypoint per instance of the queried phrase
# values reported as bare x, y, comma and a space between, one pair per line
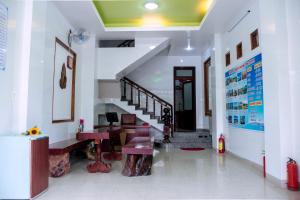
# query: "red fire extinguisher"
221, 144
292, 174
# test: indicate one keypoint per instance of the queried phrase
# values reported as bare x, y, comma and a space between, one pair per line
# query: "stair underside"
141, 113
145, 112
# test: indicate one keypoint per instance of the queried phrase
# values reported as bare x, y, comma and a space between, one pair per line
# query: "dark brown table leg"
113, 156
98, 166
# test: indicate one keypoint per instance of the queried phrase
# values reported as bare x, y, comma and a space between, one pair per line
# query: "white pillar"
293, 26
21, 73
218, 91
277, 97
37, 65
88, 52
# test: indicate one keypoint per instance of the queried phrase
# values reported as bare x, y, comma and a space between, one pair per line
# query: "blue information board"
244, 95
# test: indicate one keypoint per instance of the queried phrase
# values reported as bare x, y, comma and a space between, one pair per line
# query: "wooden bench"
59, 155
139, 151
66, 146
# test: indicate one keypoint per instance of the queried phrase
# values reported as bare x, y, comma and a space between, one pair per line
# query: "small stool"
59, 165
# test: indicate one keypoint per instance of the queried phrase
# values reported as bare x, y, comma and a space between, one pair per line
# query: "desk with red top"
98, 136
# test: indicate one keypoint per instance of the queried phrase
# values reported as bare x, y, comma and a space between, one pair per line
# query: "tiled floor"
176, 175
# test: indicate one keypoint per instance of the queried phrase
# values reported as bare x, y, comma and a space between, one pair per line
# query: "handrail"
147, 91
126, 43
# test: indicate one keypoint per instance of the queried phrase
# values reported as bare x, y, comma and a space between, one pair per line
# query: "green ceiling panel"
170, 13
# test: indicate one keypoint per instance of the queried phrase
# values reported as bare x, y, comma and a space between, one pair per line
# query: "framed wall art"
63, 97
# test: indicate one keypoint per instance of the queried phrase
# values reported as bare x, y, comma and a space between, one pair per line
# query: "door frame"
193, 91
206, 66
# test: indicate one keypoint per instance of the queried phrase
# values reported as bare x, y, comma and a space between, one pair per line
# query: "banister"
160, 100
148, 94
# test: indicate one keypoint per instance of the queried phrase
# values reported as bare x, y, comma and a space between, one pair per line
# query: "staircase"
123, 105
137, 100
145, 102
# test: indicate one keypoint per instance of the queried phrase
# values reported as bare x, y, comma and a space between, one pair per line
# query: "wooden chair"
128, 119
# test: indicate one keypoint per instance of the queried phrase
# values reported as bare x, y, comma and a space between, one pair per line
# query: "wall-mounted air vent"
116, 43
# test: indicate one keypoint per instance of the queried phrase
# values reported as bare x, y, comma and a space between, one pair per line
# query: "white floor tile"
176, 175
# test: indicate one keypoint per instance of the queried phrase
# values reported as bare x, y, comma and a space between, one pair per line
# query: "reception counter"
24, 166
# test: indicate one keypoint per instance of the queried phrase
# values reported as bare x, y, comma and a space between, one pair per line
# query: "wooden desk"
98, 135
129, 131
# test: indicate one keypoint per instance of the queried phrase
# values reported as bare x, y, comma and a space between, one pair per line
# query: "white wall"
109, 89
274, 47
26, 84
37, 65
49, 23
112, 62
87, 83
280, 45
157, 76
13, 81
293, 24
278, 23
245, 143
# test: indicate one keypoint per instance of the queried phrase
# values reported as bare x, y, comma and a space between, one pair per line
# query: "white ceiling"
81, 14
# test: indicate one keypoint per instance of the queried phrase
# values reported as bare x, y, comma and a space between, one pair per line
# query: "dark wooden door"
185, 99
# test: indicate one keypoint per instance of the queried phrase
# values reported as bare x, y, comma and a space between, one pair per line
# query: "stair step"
154, 117
123, 104
160, 121
132, 104
150, 113
142, 109
124, 99
145, 112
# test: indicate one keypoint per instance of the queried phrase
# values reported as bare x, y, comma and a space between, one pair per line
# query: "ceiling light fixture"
189, 48
152, 47
151, 5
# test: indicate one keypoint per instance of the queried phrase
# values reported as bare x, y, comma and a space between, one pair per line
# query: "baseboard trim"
246, 161
270, 178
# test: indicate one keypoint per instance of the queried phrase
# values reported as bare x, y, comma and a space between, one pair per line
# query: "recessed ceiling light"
151, 6
152, 47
